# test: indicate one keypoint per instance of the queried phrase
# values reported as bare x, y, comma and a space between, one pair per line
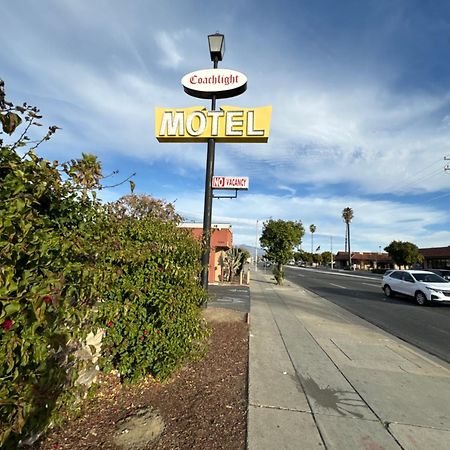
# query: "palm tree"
312, 229
347, 215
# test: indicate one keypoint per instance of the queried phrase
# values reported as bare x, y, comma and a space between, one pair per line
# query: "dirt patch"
139, 430
202, 407
222, 315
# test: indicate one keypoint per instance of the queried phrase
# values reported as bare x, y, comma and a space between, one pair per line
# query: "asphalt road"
428, 328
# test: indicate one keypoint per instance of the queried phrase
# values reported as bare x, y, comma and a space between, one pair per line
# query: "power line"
412, 179
405, 185
439, 196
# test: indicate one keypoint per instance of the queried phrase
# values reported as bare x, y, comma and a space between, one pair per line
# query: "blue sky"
360, 92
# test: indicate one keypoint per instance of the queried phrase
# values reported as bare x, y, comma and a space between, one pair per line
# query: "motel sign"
227, 124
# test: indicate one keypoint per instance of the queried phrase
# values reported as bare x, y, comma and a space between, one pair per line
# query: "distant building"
436, 257
364, 260
221, 242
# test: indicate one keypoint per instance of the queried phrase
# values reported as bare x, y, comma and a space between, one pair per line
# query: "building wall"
363, 260
221, 241
436, 258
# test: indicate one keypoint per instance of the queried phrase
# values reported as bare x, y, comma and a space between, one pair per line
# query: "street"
428, 328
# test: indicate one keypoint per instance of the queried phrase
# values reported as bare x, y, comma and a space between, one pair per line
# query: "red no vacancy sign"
220, 182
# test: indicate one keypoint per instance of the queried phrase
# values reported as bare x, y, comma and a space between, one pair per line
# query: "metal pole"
331, 245
207, 210
349, 251
256, 248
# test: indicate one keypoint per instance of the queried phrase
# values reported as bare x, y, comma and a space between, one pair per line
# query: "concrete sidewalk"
321, 377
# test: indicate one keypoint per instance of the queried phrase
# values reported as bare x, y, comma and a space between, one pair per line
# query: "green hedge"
70, 265
152, 311
379, 271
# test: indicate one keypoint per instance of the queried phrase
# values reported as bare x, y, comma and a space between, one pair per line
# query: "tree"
317, 258
404, 253
326, 258
298, 256
144, 206
347, 215
309, 258
279, 237
235, 260
312, 229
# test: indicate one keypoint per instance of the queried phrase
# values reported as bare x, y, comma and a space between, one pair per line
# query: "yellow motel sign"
227, 124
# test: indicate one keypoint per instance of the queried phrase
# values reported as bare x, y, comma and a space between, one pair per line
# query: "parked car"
423, 286
444, 273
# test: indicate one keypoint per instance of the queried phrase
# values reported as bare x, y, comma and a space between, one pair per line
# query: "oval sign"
222, 83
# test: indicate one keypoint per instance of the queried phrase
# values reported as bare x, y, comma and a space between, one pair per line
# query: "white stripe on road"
376, 285
332, 272
337, 285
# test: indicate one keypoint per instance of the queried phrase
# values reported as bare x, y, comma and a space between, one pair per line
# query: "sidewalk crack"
280, 408
337, 346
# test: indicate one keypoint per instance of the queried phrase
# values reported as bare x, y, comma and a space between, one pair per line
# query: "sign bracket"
226, 196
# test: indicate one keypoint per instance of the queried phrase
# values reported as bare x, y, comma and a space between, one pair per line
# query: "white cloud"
374, 224
98, 70
286, 188
371, 137
169, 47
363, 133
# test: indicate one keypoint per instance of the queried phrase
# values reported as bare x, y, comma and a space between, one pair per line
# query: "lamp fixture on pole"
216, 46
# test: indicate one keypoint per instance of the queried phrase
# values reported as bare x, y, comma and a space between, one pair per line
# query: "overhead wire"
414, 181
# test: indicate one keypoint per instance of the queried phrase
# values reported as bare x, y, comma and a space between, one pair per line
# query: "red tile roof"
435, 252
363, 256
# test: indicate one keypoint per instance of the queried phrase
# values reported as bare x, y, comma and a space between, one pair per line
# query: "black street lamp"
216, 46
216, 50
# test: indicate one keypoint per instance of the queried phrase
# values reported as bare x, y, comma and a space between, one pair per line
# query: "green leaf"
12, 307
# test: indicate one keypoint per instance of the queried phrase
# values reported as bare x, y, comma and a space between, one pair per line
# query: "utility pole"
331, 247
256, 247
345, 245
447, 167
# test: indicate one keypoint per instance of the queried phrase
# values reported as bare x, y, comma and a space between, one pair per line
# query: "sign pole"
197, 124
207, 210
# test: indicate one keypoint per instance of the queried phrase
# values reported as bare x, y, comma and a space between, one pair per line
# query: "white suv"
423, 286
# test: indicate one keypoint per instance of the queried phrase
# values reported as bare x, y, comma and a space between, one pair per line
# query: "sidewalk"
322, 378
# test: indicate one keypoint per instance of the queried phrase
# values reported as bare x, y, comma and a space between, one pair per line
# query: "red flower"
7, 324
158, 332
47, 299
109, 324
141, 338
146, 332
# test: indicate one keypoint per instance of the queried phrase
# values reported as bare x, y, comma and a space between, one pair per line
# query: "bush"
379, 271
49, 282
70, 265
152, 312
